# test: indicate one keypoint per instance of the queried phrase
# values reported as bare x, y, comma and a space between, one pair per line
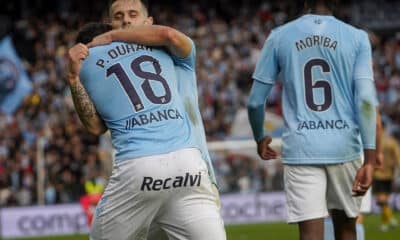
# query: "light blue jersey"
134, 89
187, 87
319, 58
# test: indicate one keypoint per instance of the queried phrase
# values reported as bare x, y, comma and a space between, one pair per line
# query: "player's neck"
320, 10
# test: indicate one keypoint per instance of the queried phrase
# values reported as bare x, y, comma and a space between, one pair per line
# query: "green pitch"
281, 231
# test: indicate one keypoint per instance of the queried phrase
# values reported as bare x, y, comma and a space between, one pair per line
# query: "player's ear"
149, 21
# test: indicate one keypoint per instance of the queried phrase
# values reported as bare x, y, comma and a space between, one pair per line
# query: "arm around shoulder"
177, 42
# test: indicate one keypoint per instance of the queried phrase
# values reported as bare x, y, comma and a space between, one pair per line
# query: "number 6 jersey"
134, 89
319, 59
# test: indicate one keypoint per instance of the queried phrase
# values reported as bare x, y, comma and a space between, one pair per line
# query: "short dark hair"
312, 4
91, 30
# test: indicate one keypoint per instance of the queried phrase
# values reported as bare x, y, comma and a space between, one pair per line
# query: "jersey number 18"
123, 78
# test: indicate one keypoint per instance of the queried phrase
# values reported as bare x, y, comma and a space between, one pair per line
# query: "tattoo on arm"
85, 107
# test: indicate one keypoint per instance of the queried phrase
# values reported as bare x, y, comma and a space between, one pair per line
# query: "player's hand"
379, 161
102, 39
264, 150
76, 55
363, 180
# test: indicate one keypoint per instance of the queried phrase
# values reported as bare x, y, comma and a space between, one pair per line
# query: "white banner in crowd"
250, 208
42, 221
69, 219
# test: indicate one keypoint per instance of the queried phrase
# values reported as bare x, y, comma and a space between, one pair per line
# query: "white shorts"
366, 203
312, 190
172, 192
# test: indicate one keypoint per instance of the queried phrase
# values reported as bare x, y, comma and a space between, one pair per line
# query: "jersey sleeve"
363, 64
363, 69
365, 94
267, 68
188, 62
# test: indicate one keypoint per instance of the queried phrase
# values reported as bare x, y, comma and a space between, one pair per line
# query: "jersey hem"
369, 147
138, 155
319, 161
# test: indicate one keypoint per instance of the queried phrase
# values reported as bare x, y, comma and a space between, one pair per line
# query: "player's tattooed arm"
82, 102
86, 110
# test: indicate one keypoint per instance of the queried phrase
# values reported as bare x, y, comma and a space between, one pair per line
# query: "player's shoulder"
283, 29
96, 61
351, 30
286, 30
99, 51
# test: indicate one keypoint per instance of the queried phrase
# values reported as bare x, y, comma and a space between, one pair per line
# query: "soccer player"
328, 102
122, 17
383, 180
158, 176
125, 14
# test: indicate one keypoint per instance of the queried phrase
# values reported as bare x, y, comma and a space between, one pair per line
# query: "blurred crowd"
45, 132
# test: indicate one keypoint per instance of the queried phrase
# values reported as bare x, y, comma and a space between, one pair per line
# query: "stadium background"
46, 156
